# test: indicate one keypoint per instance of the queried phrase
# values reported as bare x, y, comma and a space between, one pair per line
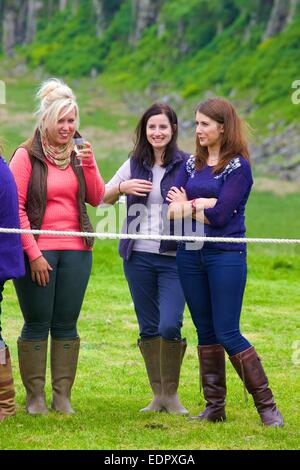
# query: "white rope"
125, 236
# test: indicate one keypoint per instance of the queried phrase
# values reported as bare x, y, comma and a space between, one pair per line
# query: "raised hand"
137, 187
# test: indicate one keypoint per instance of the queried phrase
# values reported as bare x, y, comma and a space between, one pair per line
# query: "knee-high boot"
32, 362
249, 368
64, 359
7, 390
171, 356
213, 380
150, 350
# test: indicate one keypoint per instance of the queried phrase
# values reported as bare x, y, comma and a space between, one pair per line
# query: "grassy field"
111, 384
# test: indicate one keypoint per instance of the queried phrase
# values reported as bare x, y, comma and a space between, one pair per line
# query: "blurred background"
120, 56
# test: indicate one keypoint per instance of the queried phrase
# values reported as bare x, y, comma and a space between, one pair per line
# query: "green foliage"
194, 47
67, 45
110, 7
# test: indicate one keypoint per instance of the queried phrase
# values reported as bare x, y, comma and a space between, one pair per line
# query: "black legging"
55, 307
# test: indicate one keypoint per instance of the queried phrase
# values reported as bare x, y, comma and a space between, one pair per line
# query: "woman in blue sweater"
11, 266
214, 277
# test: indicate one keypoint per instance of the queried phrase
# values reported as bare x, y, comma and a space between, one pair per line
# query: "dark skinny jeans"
213, 282
156, 293
57, 306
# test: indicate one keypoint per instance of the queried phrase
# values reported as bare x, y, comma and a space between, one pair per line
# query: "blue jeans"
156, 293
213, 282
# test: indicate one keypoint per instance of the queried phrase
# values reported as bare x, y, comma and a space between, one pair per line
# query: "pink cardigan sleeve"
21, 169
95, 186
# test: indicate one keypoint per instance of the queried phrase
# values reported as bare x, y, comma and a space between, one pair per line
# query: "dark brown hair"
143, 150
234, 137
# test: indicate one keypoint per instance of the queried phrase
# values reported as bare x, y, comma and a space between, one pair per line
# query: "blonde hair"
54, 95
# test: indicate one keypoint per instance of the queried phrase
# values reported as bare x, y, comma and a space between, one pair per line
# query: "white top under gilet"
151, 221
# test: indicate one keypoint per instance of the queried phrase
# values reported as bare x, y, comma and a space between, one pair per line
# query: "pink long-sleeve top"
62, 211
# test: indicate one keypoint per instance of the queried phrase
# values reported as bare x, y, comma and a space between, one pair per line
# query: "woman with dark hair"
11, 266
150, 266
214, 277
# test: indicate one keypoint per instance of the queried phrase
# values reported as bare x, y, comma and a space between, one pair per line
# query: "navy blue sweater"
231, 187
11, 253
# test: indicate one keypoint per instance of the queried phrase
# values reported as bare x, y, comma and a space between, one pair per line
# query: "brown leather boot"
249, 368
64, 359
7, 389
171, 356
32, 362
150, 349
213, 380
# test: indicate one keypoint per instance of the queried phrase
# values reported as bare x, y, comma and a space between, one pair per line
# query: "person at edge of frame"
150, 266
214, 277
53, 189
11, 266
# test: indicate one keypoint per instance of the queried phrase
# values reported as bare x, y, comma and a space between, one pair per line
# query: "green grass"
111, 384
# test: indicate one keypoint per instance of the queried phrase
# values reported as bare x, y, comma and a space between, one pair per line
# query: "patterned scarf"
59, 155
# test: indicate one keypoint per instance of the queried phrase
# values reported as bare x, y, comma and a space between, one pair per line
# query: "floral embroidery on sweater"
232, 165
190, 166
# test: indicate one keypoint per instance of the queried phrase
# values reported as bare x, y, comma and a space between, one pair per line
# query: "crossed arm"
180, 207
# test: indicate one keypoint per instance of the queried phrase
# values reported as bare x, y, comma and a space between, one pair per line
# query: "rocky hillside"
177, 50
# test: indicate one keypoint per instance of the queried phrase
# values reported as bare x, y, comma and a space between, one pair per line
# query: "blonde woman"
53, 191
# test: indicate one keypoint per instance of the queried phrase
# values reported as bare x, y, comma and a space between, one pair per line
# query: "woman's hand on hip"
40, 271
137, 187
176, 195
